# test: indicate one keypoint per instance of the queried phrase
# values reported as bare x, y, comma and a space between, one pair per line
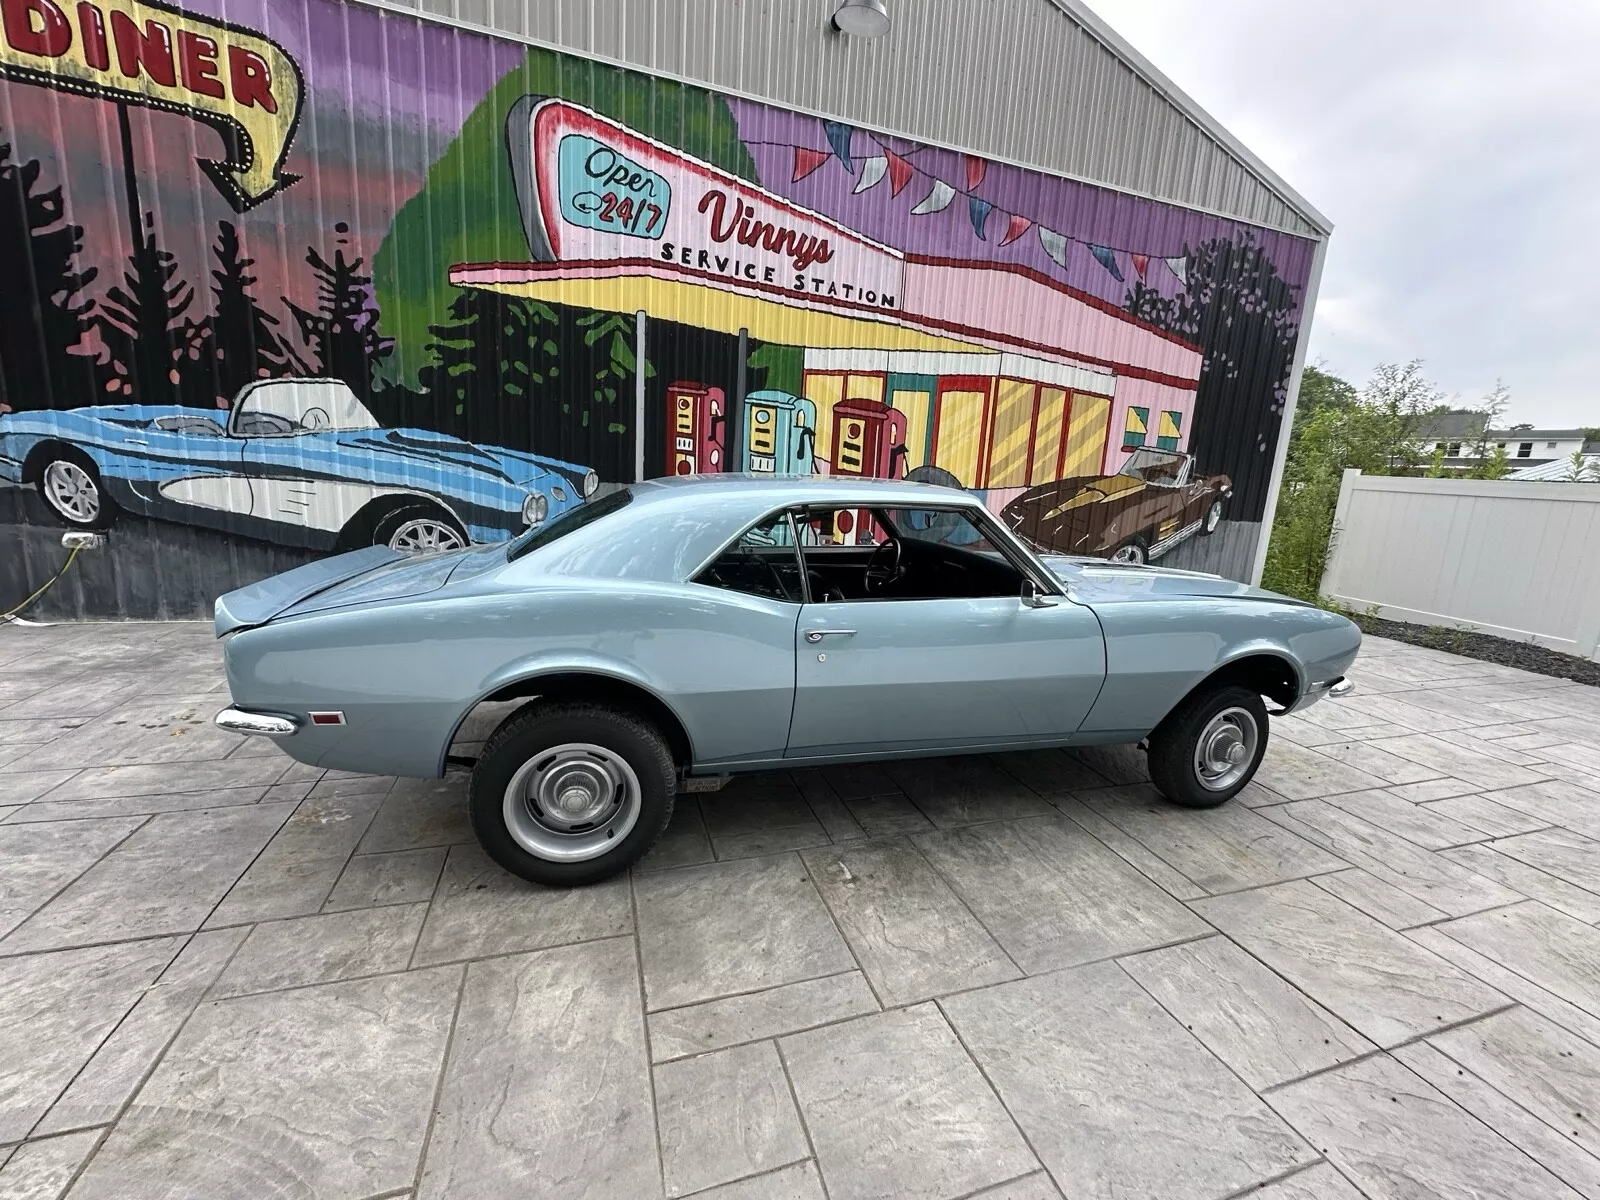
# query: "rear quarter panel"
1157, 650
406, 674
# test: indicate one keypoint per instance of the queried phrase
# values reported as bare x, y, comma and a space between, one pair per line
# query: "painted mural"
321, 277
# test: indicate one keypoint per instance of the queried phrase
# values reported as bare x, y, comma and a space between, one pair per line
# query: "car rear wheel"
1213, 518
70, 484
1131, 551
1209, 747
570, 794
419, 529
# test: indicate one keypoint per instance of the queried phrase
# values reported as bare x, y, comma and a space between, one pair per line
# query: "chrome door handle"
816, 635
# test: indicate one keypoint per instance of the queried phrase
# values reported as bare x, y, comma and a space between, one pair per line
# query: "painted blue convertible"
299, 461
704, 626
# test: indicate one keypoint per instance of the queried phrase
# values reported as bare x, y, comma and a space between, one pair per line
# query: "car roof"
779, 490
672, 526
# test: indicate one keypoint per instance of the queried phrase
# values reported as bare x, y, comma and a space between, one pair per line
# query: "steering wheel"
879, 575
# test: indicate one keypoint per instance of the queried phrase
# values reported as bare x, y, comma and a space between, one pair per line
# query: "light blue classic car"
300, 461
705, 626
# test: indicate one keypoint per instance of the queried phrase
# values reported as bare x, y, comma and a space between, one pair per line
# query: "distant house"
1459, 433
1561, 469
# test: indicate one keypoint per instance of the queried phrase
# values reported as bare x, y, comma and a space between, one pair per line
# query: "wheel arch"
47, 448
1270, 673
596, 687
359, 530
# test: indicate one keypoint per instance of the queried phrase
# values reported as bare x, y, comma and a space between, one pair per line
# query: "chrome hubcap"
1225, 749
1128, 554
572, 802
426, 536
1213, 518
71, 491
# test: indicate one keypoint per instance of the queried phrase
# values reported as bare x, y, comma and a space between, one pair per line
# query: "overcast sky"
1456, 149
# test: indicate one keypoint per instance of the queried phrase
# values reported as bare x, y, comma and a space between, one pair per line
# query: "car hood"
1084, 490
443, 449
1096, 581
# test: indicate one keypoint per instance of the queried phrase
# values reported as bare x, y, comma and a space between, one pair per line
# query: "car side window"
902, 554
763, 561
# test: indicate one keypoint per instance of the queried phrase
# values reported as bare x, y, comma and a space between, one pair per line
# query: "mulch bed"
1486, 647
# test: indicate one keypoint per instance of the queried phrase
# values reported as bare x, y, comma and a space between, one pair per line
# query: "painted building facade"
320, 275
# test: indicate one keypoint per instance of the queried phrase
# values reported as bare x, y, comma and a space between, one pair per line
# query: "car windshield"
285, 407
1153, 466
573, 518
941, 527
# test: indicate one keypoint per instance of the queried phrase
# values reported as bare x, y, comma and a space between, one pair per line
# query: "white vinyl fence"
1518, 560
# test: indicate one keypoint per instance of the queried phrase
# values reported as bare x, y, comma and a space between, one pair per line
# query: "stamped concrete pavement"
224, 974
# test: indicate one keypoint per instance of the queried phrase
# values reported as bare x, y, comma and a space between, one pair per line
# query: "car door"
942, 671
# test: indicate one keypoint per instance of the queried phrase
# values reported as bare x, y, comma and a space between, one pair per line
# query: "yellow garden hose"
6, 616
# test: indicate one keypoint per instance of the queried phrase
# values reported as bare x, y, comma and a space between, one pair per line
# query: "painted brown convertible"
1154, 502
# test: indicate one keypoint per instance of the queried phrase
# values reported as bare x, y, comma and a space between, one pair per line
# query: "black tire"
1139, 554
1206, 527
412, 515
106, 508
1173, 745
541, 726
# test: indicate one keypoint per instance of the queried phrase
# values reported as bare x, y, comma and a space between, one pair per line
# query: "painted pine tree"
159, 352
341, 335
248, 344
43, 313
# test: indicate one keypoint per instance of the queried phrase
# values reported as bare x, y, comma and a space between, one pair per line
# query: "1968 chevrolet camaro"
705, 626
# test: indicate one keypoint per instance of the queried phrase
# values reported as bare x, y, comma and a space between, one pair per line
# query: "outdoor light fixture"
862, 18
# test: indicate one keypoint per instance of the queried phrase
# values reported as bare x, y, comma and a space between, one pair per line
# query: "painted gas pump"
780, 431
696, 422
869, 438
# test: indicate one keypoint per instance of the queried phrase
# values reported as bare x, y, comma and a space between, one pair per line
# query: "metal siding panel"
937, 77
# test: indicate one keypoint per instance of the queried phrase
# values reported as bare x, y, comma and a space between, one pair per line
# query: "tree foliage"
160, 353
248, 344
1242, 315
1374, 430
341, 333
44, 316
491, 346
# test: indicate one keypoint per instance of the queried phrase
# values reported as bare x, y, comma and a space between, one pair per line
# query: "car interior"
923, 554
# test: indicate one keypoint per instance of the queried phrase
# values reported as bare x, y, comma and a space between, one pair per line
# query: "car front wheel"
1209, 747
1213, 518
570, 794
1131, 551
70, 485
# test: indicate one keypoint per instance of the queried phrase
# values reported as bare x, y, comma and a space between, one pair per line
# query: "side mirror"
1032, 597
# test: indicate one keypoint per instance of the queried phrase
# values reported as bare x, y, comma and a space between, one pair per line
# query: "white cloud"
1456, 148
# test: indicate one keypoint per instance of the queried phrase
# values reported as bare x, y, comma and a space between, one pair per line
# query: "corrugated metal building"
309, 274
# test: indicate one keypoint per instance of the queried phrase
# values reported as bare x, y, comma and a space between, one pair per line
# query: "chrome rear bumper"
236, 720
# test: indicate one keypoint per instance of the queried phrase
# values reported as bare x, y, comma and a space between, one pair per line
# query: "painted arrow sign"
243, 85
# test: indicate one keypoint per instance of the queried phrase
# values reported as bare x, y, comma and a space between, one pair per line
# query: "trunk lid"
375, 573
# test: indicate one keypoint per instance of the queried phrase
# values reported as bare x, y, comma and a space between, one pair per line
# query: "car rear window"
574, 518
